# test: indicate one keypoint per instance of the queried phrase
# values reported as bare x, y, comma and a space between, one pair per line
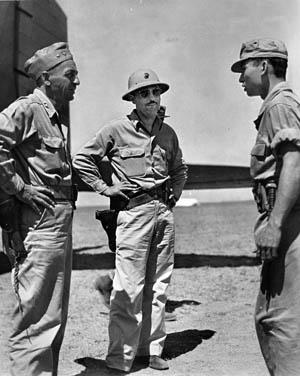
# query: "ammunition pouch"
108, 219
264, 193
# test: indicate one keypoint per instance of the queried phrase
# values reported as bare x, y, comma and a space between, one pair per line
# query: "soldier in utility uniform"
275, 168
147, 180
36, 179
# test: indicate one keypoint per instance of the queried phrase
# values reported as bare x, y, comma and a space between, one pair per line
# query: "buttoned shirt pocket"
259, 151
55, 155
133, 161
262, 161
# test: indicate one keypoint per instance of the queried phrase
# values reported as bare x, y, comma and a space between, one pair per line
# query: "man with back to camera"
275, 168
148, 177
37, 180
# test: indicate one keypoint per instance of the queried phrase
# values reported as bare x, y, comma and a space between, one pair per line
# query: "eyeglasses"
147, 92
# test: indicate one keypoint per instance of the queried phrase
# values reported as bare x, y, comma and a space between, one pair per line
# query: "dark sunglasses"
146, 92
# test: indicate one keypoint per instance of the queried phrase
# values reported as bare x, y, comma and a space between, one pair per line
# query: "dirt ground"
213, 292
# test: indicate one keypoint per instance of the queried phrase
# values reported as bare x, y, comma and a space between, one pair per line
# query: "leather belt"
142, 197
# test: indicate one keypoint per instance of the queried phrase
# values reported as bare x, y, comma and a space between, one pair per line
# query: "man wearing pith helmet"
37, 181
147, 179
275, 168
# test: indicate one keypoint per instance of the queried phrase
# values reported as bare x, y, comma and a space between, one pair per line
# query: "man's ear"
265, 66
45, 77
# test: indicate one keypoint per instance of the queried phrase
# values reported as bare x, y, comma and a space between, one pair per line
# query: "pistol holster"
108, 219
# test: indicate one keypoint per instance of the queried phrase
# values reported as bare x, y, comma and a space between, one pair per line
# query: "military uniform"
277, 314
262, 65
33, 151
145, 231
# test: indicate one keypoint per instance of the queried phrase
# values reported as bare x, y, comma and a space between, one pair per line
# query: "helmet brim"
128, 95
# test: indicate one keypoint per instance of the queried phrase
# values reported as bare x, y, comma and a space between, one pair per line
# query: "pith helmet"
142, 78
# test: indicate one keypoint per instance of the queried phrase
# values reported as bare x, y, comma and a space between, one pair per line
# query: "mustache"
152, 102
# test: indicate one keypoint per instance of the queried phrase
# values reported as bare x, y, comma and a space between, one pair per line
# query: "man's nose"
241, 79
152, 97
76, 81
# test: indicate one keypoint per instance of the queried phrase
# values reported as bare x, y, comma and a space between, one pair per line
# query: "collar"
134, 118
282, 86
48, 105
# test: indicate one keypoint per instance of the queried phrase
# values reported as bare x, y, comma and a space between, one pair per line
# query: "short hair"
279, 65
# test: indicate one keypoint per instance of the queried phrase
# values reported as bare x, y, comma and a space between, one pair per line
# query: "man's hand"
119, 189
36, 196
267, 239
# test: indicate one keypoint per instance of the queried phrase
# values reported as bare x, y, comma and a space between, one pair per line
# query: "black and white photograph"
149, 188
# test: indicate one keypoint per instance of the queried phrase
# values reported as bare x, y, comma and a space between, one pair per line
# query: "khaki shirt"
33, 149
135, 155
278, 121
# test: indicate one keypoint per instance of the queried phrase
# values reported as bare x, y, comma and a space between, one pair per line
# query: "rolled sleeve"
285, 121
286, 135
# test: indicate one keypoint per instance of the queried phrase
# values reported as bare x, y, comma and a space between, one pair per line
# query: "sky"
191, 45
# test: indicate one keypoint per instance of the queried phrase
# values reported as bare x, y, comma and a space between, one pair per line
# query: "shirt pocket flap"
131, 153
53, 142
259, 150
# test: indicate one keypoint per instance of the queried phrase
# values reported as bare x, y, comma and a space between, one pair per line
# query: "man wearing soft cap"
275, 168
148, 175
37, 179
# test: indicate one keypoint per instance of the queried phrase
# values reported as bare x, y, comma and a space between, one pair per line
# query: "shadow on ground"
107, 261
88, 247
173, 304
176, 344
83, 261
182, 342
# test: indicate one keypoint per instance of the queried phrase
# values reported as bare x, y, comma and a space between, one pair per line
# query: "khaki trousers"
277, 314
44, 286
144, 265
